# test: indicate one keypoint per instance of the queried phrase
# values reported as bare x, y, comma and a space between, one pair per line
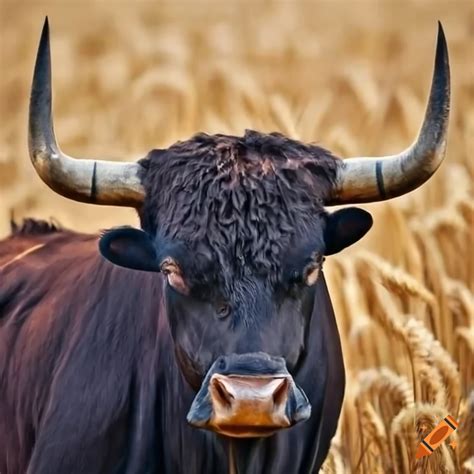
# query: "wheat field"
352, 76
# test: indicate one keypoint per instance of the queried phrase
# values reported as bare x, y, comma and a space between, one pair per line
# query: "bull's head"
238, 228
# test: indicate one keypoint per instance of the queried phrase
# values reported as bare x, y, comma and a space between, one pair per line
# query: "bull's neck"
248, 455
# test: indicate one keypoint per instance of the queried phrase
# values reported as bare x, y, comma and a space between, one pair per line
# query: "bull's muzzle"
248, 405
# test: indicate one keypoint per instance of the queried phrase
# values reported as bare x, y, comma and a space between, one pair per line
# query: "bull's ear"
130, 248
345, 227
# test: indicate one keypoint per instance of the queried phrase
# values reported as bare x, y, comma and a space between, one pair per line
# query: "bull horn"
361, 180
91, 181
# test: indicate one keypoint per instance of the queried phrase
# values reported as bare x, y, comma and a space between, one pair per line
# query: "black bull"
215, 349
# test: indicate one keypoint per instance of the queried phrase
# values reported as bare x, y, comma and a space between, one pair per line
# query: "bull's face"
240, 333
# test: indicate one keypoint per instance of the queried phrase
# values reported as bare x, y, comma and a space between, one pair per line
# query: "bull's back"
70, 329
25, 239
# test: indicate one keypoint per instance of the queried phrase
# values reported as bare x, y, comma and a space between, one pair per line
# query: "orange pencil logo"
437, 435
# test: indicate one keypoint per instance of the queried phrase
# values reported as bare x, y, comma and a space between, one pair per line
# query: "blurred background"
352, 76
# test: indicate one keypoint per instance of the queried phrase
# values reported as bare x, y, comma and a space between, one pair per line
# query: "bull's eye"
223, 310
173, 273
168, 266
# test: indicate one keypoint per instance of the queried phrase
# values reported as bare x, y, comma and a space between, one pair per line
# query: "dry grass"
353, 76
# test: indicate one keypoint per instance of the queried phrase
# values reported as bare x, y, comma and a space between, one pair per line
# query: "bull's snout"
247, 396
245, 406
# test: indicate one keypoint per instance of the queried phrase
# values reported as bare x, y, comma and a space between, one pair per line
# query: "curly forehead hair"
243, 197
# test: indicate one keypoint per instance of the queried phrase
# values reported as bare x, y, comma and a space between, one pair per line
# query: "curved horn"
96, 182
377, 179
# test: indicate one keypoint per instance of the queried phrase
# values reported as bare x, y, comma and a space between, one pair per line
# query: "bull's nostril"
221, 363
222, 395
281, 392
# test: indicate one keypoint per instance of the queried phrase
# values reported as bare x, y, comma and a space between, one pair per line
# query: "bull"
204, 342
